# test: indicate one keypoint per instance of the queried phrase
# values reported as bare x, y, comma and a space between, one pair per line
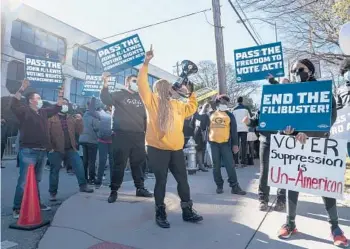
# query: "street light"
261, 20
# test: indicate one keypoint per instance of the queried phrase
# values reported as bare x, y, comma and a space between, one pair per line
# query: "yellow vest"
219, 127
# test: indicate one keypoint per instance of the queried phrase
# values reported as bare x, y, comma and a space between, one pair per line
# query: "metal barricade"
10, 149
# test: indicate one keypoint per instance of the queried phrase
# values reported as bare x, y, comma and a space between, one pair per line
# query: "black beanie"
309, 65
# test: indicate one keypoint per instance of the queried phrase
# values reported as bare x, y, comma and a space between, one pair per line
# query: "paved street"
230, 221
29, 239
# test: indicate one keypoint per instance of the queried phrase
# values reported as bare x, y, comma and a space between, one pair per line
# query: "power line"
144, 27
249, 22
243, 22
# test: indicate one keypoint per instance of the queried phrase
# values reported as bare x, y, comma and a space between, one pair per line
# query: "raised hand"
289, 130
301, 137
149, 55
25, 84
105, 78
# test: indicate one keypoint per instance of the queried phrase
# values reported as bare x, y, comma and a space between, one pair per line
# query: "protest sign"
256, 63
303, 106
122, 54
341, 127
317, 167
43, 72
93, 84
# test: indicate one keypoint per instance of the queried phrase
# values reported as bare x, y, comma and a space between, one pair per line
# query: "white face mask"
64, 108
222, 108
134, 87
40, 104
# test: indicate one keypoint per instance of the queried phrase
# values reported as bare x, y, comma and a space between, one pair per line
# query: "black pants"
330, 205
89, 160
242, 141
264, 190
4, 137
160, 161
128, 145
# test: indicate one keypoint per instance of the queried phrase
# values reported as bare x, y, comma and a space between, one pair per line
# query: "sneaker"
286, 231
142, 192
113, 196
280, 206
91, 181
150, 176
219, 190
190, 215
98, 185
238, 191
85, 189
15, 213
263, 206
43, 207
53, 197
339, 238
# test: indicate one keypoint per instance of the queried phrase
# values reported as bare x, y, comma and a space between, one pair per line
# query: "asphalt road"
29, 239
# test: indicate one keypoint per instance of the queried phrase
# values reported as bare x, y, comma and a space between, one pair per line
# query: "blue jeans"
104, 150
223, 151
27, 157
72, 158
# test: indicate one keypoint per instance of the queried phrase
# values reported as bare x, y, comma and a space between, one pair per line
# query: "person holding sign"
63, 128
128, 140
223, 139
34, 142
303, 71
165, 141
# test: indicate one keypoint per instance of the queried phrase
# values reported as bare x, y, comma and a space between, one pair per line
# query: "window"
76, 89
86, 60
15, 75
29, 39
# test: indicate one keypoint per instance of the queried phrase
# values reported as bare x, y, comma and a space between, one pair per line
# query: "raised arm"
191, 106
16, 106
105, 95
142, 80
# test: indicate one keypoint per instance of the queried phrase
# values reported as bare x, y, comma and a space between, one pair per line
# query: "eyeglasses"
134, 81
299, 70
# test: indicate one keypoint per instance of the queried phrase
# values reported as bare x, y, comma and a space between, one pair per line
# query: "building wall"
29, 31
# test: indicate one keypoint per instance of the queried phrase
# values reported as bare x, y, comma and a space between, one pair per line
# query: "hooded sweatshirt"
171, 140
91, 125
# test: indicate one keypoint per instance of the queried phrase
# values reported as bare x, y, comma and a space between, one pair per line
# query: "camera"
188, 68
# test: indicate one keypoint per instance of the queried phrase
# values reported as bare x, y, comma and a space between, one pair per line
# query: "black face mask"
304, 76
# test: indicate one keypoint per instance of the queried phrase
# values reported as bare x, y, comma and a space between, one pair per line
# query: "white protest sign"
317, 167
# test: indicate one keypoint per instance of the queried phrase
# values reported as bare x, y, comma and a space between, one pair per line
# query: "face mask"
222, 108
134, 87
304, 76
64, 108
39, 104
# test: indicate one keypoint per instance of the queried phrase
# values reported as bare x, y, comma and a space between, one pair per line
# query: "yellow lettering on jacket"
219, 129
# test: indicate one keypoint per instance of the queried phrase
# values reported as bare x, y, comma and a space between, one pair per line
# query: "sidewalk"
89, 222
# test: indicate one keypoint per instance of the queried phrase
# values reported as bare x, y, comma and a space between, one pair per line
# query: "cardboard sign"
303, 106
205, 93
122, 54
318, 167
341, 127
93, 84
43, 72
256, 63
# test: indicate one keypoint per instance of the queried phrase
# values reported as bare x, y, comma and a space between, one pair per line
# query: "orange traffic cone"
30, 214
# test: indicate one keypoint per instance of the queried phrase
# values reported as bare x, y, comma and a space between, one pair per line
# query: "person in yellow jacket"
165, 141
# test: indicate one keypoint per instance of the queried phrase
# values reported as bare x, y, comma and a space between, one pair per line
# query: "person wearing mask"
344, 94
104, 143
62, 129
165, 141
221, 127
88, 140
241, 111
199, 137
303, 71
34, 142
128, 140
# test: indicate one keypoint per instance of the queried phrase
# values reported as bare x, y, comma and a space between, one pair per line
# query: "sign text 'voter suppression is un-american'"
256, 63
43, 72
122, 54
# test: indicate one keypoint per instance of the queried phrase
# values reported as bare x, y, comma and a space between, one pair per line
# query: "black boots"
189, 214
161, 218
113, 196
142, 192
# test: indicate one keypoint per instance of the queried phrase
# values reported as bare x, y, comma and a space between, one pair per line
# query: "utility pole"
177, 66
220, 52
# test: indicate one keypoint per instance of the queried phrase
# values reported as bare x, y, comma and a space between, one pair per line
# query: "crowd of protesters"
149, 129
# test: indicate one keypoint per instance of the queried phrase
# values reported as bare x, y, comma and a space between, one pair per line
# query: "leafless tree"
307, 27
207, 77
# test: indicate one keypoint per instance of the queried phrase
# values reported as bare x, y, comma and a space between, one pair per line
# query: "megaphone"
188, 68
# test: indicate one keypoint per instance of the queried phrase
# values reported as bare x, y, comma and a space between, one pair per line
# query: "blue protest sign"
303, 106
256, 63
93, 84
341, 127
43, 72
122, 54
